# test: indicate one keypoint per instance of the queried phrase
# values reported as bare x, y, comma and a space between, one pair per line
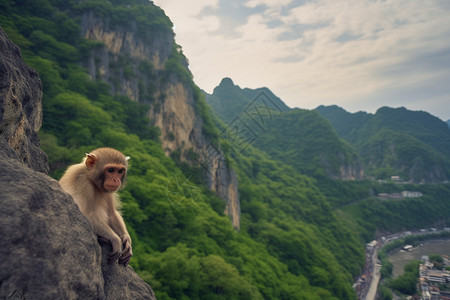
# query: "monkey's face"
112, 177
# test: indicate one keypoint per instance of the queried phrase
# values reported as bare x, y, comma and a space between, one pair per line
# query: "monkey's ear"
127, 158
91, 159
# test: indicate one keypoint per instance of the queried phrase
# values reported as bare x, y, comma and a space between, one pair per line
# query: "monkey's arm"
102, 229
118, 225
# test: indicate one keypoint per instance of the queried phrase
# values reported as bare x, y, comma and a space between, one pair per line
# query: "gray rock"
20, 106
49, 250
122, 282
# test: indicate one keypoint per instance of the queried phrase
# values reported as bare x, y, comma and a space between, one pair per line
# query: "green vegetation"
398, 215
395, 141
346, 124
385, 293
300, 138
407, 283
404, 283
184, 245
388, 152
306, 141
229, 101
437, 260
285, 211
150, 20
296, 239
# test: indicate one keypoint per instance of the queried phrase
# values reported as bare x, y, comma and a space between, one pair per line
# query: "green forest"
412, 144
302, 234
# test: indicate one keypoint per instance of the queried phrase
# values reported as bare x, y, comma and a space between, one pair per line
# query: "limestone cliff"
353, 171
150, 68
129, 62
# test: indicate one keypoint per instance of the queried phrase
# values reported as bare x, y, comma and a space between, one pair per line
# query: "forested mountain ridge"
395, 141
286, 134
304, 140
347, 125
299, 138
228, 100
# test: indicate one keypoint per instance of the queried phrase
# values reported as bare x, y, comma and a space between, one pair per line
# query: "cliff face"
49, 250
224, 182
135, 65
351, 172
20, 106
128, 62
181, 127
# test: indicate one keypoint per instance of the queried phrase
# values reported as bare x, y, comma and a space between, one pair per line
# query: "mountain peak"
330, 108
226, 82
229, 100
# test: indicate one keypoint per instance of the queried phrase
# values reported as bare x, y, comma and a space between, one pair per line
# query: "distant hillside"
300, 138
346, 124
228, 101
307, 142
396, 141
448, 123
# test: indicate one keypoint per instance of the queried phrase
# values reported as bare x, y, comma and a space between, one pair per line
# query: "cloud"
355, 42
268, 3
184, 15
231, 14
318, 52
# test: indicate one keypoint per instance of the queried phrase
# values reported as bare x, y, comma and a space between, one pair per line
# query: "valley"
400, 258
367, 284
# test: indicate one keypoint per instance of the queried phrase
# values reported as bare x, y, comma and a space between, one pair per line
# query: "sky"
358, 54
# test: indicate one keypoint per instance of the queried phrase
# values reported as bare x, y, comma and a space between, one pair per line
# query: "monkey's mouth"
111, 188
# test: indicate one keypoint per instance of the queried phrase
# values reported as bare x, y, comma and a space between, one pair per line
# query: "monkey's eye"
110, 170
121, 171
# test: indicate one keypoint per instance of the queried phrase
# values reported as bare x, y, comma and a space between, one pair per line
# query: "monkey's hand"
116, 252
127, 251
116, 248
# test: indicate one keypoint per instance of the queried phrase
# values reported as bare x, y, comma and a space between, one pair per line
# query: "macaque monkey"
93, 184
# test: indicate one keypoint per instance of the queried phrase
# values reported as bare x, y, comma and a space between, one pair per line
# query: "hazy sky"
358, 54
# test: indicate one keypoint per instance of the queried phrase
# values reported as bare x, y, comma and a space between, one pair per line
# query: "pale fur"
101, 208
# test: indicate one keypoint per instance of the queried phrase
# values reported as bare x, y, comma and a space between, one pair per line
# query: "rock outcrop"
122, 282
129, 62
223, 181
49, 250
20, 106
